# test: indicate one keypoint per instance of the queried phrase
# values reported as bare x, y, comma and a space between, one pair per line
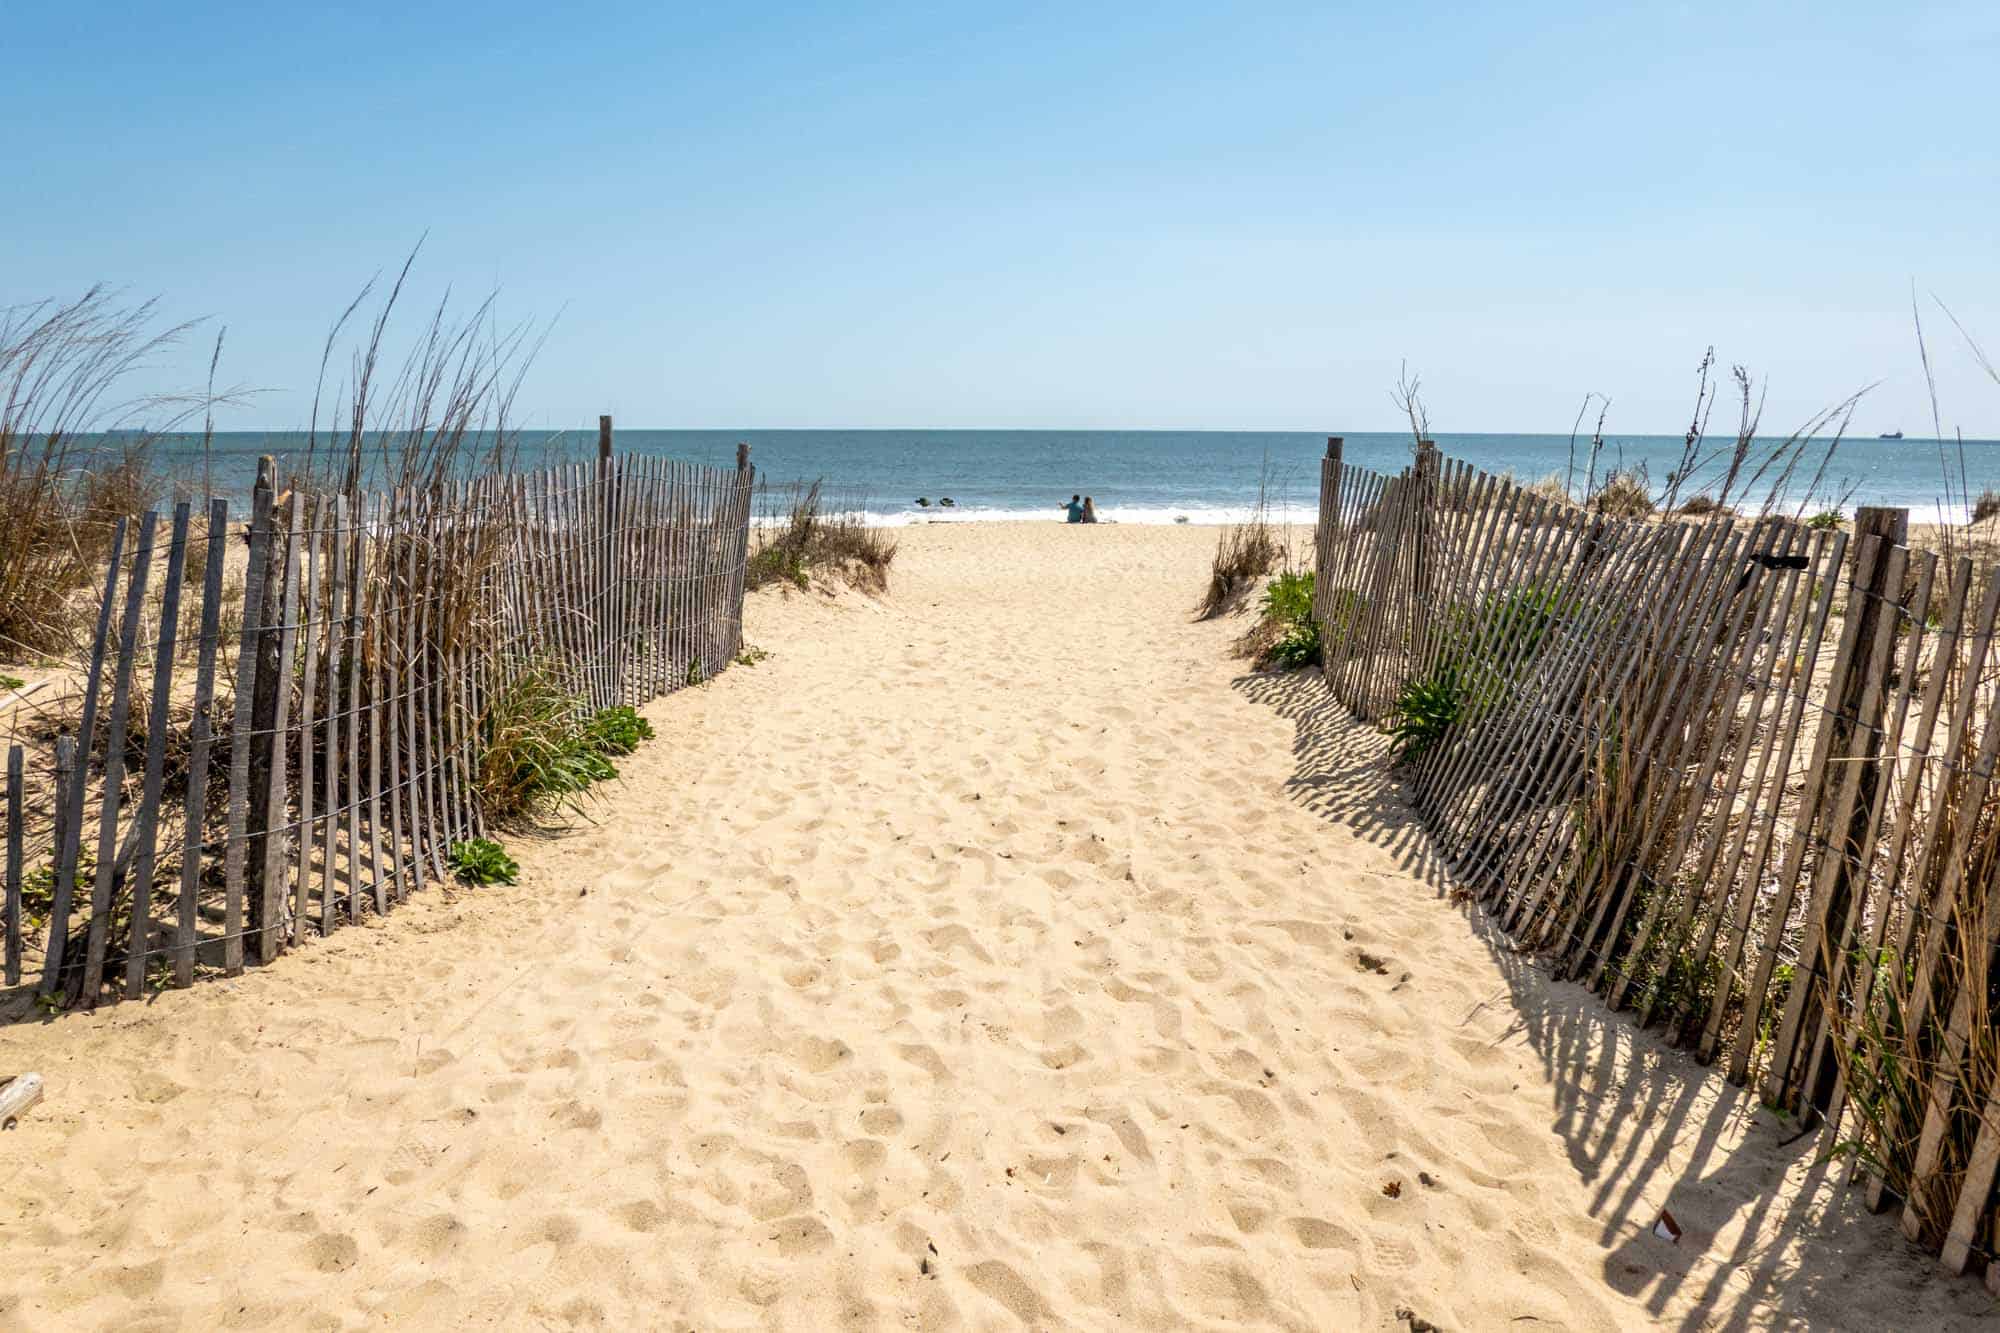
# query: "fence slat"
73, 776
10, 909
353, 706
240, 738
272, 928
146, 817
388, 674
331, 905
310, 633
104, 883
201, 729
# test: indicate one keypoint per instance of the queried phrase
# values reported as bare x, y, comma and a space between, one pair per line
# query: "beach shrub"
1551, 487
1623, 495
799, 533
1701, 506
617, 730
482, 861
1986, 506
774, 563
539, 756
8, 682
1244, 553
1825, 520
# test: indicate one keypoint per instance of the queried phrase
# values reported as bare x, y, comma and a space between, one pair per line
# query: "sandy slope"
995, 954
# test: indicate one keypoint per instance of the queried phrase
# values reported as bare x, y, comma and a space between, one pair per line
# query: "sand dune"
996, 954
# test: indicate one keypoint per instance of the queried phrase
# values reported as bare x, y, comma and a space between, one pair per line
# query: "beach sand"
997, 953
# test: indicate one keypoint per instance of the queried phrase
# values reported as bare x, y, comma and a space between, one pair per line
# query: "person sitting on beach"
1074, 509
1089, 511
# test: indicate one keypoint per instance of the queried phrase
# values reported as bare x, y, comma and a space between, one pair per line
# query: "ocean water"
1174, 476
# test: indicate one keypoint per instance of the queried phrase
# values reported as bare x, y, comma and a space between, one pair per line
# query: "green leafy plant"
1825, 519
1288, 616
482, 861
38, 885
11, 682
1513, 624
751, 655
617, 730
1425, 712
1298, 646
1289, 596
697, 673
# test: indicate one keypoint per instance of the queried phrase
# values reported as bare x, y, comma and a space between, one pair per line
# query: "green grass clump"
482, 861
540, 756
777, 563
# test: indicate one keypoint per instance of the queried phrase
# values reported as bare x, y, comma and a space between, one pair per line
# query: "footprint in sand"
801, 1235
882, 1120
1318, 1234
819, 1055
331, 1252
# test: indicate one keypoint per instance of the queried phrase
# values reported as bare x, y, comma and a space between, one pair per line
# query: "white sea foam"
1136, 514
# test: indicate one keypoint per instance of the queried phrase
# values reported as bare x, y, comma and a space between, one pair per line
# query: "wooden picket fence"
1735, 774
270, 748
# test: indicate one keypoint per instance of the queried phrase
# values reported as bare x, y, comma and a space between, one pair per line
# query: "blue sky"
1168, 215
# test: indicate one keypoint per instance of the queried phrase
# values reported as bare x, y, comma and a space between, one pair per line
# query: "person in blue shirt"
1074, 509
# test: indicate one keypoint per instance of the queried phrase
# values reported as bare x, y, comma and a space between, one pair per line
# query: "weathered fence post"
601, 586
236, 854
266, 747
1325, 526
10, 914
1423, 566
73, 775
739, 547
1845, 789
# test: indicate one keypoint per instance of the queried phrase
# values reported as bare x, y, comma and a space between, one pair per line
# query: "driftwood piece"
17, 1096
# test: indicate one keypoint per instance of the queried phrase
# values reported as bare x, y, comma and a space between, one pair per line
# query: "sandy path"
992, 955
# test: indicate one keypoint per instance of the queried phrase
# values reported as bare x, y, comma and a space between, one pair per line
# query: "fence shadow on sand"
1643, 1124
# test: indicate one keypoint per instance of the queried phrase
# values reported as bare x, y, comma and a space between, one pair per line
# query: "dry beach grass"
997, 953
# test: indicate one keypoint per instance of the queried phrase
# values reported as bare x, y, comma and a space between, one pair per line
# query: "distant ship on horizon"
1890, 435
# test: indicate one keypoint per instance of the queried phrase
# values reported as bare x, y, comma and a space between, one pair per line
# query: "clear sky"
1161, 215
